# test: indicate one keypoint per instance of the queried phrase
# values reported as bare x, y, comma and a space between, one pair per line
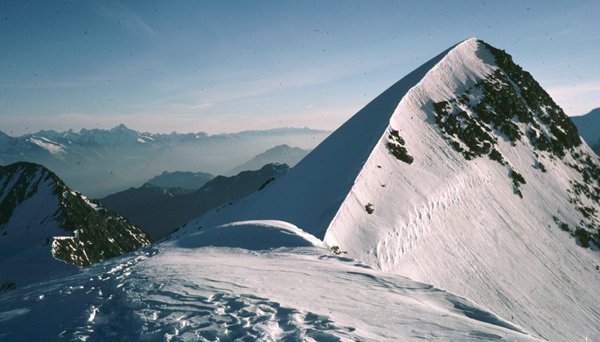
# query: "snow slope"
466, 175
194, 293
48, 145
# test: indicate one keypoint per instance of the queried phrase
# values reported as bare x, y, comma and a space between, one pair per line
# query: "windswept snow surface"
443, 219
206, 294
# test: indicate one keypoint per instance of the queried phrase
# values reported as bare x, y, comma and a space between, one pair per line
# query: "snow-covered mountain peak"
464, 174
120, 128
461, 66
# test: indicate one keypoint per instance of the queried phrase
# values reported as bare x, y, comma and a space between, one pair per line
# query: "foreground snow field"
177, 293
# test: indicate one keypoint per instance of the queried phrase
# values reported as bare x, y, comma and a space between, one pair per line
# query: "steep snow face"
464, 174
208, 294
462, 67
456, 216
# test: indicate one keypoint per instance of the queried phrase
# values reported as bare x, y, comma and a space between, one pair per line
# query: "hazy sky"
222, 66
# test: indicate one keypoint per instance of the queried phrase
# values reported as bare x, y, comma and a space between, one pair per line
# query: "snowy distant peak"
117, 135
120, 128
122, 135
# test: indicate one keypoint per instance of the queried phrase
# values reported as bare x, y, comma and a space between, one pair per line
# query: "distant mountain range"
159, 210
588, 126
46, 229
281, 154
181, 179
99, 162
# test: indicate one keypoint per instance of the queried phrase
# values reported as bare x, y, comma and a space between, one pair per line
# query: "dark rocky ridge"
96, 233
161, 210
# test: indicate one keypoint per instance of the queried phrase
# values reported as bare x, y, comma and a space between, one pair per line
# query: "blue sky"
224, 66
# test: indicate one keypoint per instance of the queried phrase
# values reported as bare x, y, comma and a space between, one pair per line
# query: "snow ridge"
322, 192
400, 189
